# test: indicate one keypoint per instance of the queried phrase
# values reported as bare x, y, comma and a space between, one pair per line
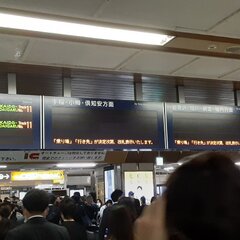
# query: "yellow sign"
38, 175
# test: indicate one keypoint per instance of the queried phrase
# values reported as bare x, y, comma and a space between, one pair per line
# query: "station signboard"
37, 175
203, 127
94, 124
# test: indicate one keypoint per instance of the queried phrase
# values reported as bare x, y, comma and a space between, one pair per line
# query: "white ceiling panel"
208, 67
76, 54
193, 14
157, 62
229, 27
12, 48
75, 8
234, 76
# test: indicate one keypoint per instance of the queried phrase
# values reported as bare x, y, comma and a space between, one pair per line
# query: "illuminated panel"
56, 175
109, 182
102, 124
203, 127
19, 122
140, 183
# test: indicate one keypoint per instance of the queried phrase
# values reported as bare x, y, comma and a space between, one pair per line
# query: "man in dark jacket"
35, 205
104, 225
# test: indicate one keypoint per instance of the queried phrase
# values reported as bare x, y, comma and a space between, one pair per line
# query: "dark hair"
52, 198
68, 207
94, 196
131, 205
76, 196
36, 201
116, 194
203, 199
143, 200
131, 194
5, 210
120, 223
109, 201
153, 199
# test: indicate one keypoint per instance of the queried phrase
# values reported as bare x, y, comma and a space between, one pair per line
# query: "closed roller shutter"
159, 89
3, 83
209, 92
102, 85
39, 84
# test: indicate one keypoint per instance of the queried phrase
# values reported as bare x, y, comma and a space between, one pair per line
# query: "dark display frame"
95, 109
14, 139
188, 122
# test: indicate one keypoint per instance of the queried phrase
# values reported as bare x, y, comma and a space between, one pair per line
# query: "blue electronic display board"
72, 123
203, 127
19, 122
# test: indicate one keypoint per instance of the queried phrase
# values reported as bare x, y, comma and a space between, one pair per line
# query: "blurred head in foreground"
203, 199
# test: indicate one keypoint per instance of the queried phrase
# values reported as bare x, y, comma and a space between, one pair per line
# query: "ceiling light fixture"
76, 165
82, 30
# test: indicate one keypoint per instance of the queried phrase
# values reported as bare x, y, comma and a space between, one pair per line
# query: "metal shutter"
209, 92
39, 84
103, 85
3, 83
159, 89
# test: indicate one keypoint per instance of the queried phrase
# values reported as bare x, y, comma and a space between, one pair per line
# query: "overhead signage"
50, 156
72, 123
203, 127
19, 122
38, 175
5, 177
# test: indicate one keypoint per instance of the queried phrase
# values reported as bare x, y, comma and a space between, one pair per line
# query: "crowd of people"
201, 201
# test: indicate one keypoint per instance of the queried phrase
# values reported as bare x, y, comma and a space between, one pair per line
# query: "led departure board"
19, 122
72, 123
203, 127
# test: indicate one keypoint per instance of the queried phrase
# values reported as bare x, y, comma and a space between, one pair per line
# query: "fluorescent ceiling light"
76, 165
82, 30
3, 166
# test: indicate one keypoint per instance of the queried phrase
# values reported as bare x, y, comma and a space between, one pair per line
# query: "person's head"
76, 196
143, 200
99, 202
35, 202
131, 206
89, 200
94, 196
120, 223
203, 199
116, 194
108, 203
67, 208
52, 198
153, 199
5, 210
7, 200
131, 194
